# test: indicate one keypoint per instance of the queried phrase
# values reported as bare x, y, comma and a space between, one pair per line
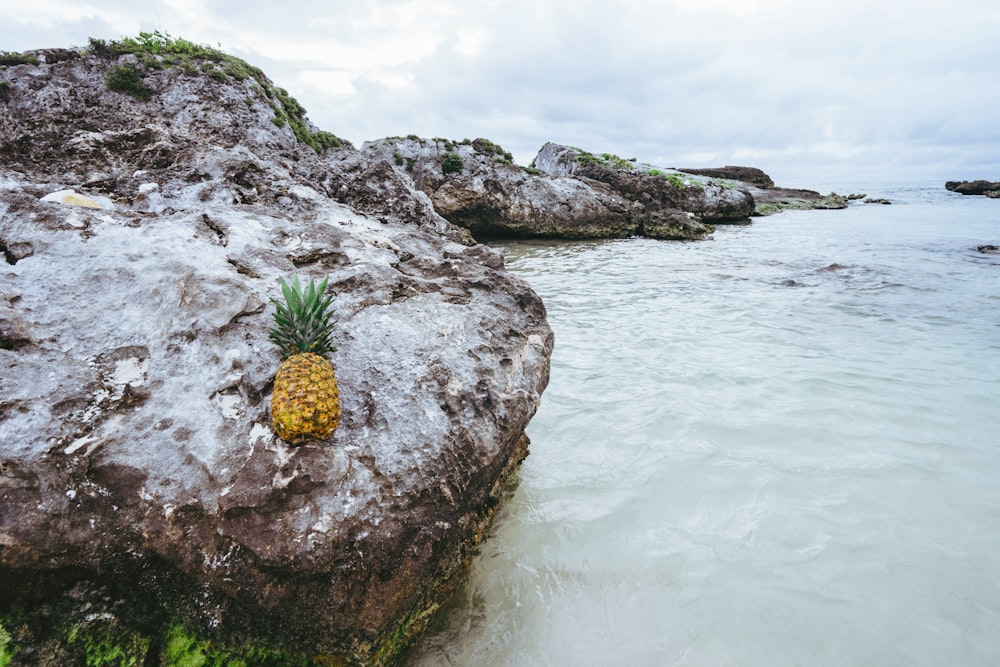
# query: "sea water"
779, 446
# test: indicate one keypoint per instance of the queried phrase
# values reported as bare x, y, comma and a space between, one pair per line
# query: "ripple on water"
777, 447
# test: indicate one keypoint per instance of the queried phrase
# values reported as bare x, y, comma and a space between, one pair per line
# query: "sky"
806, 90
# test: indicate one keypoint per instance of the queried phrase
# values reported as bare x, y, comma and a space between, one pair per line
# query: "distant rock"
877, 200
988, 249
476, 185
750, 175
769, 198
989, 188
774, 200
148, 513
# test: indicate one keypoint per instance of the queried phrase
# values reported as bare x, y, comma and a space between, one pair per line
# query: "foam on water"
777, 447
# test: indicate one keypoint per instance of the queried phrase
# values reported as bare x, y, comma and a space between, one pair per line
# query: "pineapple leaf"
302, 322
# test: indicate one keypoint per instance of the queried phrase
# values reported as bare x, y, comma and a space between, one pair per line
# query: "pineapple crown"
302, 323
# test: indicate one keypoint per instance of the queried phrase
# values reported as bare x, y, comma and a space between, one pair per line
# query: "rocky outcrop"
148, 513
651, 189
570, 193
989, 188
770, 199
476, 185
751, 175
775, 200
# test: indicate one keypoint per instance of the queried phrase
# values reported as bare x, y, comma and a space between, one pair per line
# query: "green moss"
410, 162
181, 649
531, 170
127, 79
7, 648
451, 163
106, 643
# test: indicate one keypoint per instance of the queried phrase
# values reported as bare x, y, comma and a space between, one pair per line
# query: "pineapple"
305, 404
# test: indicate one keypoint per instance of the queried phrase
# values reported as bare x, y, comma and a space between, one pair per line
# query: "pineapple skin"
305, 404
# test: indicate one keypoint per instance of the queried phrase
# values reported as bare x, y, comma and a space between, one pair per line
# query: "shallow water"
777, 447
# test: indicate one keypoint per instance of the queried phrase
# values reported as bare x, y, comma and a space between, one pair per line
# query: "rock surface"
146, 505
492, 197
751, 175
989, 188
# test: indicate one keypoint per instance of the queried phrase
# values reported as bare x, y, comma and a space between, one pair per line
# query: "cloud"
849, 86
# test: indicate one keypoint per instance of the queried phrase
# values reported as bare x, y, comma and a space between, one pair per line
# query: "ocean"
779, 446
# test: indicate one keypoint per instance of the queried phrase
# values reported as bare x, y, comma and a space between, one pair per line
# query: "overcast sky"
804, 89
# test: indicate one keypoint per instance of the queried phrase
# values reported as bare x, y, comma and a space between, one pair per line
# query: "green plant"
451, 163
486, 146
157, 50
675, 180
108, 644
584, 158
127, 79
449, 145
7, 650
398, 159
4, 91
531, 170
15, 58
655, 172
410, 162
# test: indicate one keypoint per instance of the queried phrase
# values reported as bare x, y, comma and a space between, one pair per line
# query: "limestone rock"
492, 197
751, 175
143, 495
653, 189
774, 200
980, 187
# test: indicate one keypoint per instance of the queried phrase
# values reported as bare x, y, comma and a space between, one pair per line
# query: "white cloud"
791, 87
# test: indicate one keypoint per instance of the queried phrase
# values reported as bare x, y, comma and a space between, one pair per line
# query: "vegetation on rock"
13, 58
127, 79
451, 163
158, 50
607, 159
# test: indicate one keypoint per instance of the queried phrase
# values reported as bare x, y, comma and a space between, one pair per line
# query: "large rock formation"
148, 513
570, 193
475, 184
768, 198
989, 188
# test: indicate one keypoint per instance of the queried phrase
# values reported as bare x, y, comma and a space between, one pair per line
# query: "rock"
775, 200
877, 200
651, 188
989, 188
855, 196
750, 175
988, 249
148, 508
71, 198
488, 195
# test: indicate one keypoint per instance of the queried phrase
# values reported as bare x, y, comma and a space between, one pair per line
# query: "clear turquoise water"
777, 447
